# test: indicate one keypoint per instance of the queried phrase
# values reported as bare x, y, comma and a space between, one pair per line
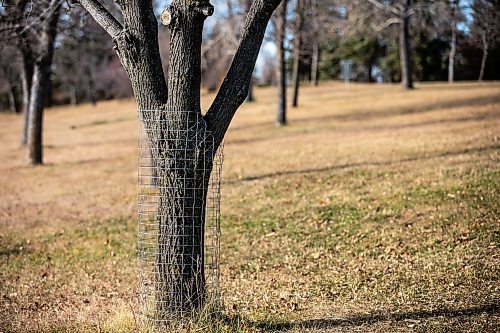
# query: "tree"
34, 29
399, 12
137, 46
454, 14
297, 45
84, 60
9, 77
19, 32
485, 29
280, 32
315, 43
41, 79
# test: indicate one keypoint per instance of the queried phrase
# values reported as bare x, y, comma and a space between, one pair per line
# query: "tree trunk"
74, 95
41, 78
183, 169
281, 68
453, 44
13, 104
185, 173
315, 46
296, 52
405, 48
250, 95
296, 73
26, 80
315, 64
485, 57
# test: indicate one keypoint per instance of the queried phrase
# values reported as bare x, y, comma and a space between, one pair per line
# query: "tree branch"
103, 17
385, 7
234, 88
386, 24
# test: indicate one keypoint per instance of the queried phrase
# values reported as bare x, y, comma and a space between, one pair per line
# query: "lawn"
374, 210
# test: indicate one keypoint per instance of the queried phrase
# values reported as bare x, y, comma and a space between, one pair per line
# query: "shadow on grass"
366, 164
354, 129
360, 114
367, 319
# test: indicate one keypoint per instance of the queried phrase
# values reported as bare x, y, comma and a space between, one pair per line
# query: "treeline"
320, 34
52, 52
448, 40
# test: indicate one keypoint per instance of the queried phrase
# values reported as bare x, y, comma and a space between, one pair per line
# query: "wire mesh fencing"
179, 175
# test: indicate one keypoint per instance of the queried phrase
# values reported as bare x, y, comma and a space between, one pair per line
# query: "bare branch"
385, 7
233, 91
103, 17
386, 24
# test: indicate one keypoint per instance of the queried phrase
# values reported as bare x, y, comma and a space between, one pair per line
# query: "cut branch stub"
166, 17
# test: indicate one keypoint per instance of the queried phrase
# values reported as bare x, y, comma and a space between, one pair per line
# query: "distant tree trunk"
315, 64
73, 95
405, 48
41, 78
250, 95
296, 51
13, 103
315, 45
48, 93
296, 73
369, 72
281, 68
26, 81
485, 57
453, 43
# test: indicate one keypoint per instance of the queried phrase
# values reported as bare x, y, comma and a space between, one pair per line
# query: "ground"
374, 210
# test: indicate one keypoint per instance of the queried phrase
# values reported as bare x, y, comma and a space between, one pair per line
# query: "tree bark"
41, 78
405, 48
453, 43
484, 58
281, 68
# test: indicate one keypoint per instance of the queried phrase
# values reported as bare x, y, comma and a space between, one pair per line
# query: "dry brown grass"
374, 210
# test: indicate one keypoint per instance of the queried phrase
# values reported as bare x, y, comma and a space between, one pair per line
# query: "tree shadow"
371, 128
368, 319
366, 164
360, 114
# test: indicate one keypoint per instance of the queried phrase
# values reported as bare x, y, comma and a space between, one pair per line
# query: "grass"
375, 210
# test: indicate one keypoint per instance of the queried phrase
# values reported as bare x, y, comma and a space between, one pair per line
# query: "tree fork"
164, 114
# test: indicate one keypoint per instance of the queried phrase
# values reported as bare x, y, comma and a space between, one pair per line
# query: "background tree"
47, 20
280, 24
399, 12
85, 67
485, 30
136, 41
20, 33
315, 19
454, 10
9, 78
300, 12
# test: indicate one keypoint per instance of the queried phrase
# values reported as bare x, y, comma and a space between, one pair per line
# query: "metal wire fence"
179, 175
